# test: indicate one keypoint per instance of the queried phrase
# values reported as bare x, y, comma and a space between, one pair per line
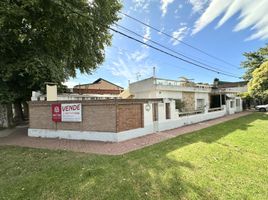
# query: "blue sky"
224, 29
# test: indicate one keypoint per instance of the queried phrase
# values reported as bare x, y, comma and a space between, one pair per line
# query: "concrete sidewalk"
6, 132
19, 138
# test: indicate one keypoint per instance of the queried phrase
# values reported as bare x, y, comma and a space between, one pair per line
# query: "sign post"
56, 112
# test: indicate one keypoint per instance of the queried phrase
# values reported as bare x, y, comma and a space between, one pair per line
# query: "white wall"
142, 87
240, 107
149, 125
204, 96
168, 94
148, 114
51, 92
186, 120
145, 95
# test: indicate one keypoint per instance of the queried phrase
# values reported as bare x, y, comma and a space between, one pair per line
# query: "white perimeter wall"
186, 120
149, 125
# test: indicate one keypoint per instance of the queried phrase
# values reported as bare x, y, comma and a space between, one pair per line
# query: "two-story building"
194, 96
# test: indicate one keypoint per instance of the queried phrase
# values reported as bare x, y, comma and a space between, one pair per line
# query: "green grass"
226, 161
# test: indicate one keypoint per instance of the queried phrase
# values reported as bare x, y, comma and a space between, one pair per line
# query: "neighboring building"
237, 87
100, 86
152, 106
195, 96
99, 89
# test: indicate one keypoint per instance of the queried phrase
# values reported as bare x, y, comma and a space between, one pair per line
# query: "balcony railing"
195, 112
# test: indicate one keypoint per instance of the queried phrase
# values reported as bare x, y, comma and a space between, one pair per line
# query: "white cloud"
179, 35
161, 31
183, 23
131, 65
164, 5
198, 5
141, 5
179, 7
139, 55
70, 84
253, 14
130, 70
147, 34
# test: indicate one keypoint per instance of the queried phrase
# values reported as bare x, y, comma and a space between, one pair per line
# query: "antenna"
138, 75
154, 72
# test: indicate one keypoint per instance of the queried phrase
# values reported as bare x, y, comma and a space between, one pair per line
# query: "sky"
224, 29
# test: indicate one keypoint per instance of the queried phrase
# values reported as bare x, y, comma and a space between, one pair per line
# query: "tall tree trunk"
25, 110
18, 112
6, 116
10, 115
3, 116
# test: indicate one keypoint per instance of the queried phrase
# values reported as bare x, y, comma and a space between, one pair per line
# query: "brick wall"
95, 91
102, 116
129, 117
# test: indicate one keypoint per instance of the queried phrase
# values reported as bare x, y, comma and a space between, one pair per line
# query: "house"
155, 105
238, 87
194, 96
98, 87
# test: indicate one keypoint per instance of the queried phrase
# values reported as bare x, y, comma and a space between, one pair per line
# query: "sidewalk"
6, 132
19, 138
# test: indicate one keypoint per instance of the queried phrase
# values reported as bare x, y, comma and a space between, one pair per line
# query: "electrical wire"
186, 44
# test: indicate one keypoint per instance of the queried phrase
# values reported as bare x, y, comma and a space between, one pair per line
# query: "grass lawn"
226, 161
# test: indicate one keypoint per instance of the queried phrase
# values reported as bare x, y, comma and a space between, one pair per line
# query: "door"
155, 117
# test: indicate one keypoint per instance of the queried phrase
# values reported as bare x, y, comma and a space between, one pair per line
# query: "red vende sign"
56, 112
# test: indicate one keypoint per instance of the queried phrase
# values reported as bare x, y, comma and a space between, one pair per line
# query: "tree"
254, 61
49, 40
258, 86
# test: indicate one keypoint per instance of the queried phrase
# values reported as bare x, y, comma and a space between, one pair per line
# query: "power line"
168, 35
157, 43
158, 60
167, 53
151, 46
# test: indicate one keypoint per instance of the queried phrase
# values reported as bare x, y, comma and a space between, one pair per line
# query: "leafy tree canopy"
254, 61
258, 86
49, 40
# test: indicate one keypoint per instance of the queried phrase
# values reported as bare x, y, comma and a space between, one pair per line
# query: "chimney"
51, 89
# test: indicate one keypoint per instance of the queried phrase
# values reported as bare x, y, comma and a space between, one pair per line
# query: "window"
237, 102
231, 104
167, 110
155, 112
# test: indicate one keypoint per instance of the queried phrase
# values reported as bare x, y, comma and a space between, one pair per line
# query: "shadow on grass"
143, 174
207, 135
153, 163
150, 174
